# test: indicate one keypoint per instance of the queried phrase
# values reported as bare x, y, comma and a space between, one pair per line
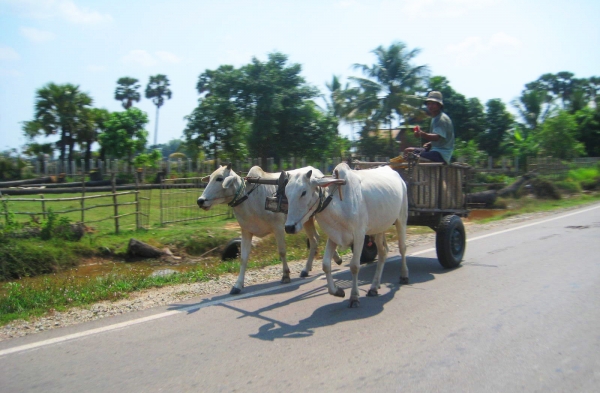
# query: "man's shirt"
442, 125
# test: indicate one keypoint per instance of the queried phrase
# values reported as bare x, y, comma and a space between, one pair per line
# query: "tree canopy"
127, 91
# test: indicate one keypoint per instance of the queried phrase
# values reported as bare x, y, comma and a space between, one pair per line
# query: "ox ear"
229, 166
205, 179
227, 181
309, 174
327, 181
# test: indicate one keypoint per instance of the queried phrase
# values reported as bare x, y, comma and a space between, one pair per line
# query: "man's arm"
424, 135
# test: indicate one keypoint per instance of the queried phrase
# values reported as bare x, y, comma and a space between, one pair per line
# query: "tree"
387, 92
498, 124
216, 126
60, 110
97, 119
588, 129
127, 91
263, 108
157, 89
557, 137
534, 107
124, 134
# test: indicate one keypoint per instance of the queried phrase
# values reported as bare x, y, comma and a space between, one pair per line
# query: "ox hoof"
372, 293
338, 261
403, 280
303, 274
354, 303
235, 291
339, 293
286, 280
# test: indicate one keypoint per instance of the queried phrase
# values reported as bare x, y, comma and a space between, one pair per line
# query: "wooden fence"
140, 205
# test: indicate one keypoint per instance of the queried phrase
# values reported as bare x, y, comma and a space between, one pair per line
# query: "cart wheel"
369, 251
450, 241
232, 250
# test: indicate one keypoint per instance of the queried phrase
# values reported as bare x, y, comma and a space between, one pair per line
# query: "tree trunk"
488, 198
156, 127
140, 249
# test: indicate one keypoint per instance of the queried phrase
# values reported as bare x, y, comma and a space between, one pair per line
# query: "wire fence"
178, 202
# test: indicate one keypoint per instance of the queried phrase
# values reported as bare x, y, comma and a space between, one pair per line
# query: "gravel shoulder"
168, 295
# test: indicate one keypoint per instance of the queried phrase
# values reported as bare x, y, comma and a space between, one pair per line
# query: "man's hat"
435, 96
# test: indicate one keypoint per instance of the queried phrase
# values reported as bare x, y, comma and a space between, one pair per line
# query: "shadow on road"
421, 270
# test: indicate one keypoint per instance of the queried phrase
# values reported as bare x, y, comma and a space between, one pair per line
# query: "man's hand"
417, 132
427, 146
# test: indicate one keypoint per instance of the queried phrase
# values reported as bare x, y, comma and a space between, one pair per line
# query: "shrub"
545, 189
568, 186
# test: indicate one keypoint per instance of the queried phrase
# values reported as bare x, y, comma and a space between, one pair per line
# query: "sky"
485, 48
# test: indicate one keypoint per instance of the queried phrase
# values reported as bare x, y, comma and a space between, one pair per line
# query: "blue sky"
486, 48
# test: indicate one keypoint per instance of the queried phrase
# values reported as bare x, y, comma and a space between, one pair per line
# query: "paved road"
521, 314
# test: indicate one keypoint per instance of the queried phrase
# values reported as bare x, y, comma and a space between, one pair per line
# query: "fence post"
162, 186
43, 206
137, 201
114, 192
82, 196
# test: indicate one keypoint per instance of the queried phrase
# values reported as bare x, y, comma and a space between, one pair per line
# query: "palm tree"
96, 125
534, 107
387, 92
126, 91
60, 110
157, 89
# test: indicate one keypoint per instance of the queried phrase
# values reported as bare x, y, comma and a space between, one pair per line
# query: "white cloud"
71, 12
8, 53
64, 9
168, 57
475, 47
36, 35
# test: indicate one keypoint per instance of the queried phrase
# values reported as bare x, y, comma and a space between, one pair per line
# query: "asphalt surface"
520, 314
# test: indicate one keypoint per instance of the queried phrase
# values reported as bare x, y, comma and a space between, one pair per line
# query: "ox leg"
280, 238
381, 258
331, 287
401, 230
246, 247
359, 240
313, 239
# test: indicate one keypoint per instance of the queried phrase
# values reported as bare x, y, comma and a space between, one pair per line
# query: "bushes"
28, 257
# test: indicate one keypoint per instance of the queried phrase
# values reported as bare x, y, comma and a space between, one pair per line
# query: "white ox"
373, 200
225, 186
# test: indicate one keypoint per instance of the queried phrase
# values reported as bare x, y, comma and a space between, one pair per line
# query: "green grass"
531, 205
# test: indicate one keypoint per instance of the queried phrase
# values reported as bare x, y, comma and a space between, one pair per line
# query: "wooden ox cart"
436, 199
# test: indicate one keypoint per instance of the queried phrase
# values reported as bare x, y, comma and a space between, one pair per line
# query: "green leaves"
125, 134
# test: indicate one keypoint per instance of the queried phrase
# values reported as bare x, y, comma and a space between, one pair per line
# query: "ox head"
220, 188
303, 197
